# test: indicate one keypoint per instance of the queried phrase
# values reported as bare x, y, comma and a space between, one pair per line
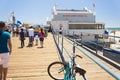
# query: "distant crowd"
22, 33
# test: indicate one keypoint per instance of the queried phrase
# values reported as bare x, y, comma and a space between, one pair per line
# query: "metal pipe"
115, 75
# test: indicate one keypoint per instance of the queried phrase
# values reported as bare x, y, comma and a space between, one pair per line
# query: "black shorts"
42, 39
60, 32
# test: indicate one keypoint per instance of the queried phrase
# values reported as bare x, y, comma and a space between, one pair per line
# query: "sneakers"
29, 45
40, 47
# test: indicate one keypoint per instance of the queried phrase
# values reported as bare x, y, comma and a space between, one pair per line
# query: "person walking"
31, 36
5, 50
41, 37
22, 37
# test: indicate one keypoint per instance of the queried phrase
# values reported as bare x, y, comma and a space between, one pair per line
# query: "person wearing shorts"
41, 36
36, 39
5, 50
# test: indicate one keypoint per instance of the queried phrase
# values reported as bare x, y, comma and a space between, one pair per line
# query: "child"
36, 39
41, 36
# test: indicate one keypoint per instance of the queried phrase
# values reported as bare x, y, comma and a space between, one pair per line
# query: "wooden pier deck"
30, 63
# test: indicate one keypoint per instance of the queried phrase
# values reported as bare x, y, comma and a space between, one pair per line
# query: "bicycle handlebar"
79, 56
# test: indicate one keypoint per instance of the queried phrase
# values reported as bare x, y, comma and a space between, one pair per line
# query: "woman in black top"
22, 38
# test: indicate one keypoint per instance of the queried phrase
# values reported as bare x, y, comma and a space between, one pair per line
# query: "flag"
106, 32
19, 22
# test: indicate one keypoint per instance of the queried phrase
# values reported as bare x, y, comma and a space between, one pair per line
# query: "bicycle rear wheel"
56, 70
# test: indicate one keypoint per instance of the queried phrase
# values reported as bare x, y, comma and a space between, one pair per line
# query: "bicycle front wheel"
56, 70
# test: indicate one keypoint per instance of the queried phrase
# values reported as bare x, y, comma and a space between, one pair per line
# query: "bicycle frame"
69, 75
72, 68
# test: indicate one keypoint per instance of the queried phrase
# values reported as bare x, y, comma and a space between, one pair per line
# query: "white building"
76, 21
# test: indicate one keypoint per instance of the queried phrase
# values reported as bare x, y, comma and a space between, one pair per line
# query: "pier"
30, 63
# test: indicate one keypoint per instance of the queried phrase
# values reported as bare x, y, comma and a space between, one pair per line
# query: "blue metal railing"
115, 75
57, 44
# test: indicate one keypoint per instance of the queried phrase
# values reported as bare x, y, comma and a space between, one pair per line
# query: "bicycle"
65, 70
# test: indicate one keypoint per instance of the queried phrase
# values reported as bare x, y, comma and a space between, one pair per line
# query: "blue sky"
36, 11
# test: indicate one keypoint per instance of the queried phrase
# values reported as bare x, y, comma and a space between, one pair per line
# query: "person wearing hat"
31, 36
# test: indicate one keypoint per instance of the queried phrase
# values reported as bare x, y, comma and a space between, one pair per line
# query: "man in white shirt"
31, 36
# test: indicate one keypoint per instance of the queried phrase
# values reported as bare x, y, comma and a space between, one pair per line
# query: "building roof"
72, 11
84, 10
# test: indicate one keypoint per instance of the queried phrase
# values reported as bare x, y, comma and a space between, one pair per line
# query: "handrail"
115, 75
60, 52
67, 52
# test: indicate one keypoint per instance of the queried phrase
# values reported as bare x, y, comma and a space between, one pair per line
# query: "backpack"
22, 36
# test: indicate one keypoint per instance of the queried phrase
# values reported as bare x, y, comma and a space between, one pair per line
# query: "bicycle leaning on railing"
65, 70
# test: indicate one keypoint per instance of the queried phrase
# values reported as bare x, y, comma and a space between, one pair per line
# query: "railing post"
58, 37
62, 43
96, 36
73, 46
81, 37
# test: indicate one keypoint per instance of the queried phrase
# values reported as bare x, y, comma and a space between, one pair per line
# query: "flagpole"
94, 7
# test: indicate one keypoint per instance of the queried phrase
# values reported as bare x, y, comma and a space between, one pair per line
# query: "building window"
81, 26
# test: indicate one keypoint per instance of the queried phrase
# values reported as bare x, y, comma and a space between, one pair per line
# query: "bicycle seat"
79, 70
